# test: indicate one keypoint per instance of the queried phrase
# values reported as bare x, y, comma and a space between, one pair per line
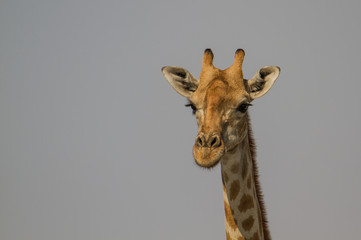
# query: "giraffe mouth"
208, 157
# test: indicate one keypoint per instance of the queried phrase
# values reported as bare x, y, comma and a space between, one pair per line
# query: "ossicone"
208, 58
238, 59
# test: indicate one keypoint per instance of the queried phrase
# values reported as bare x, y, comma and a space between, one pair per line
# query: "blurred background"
95, 144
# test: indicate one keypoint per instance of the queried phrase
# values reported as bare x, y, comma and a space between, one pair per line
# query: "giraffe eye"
194, 109
243, 107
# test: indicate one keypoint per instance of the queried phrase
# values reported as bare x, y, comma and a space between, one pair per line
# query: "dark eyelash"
194, 109
243, 107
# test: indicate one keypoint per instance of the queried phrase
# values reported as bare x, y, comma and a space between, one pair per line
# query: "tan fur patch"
225, 160
247, 224
229, 216
260, 219
235, 187
235, 168
246, 203
240, 238
228, 237
249, 183
245, 169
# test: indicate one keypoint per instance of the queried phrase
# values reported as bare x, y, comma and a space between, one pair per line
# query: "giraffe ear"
262, 81
181, 80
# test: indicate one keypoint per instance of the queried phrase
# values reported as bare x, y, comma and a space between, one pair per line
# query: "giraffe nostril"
200, 141
212, 141
215, 141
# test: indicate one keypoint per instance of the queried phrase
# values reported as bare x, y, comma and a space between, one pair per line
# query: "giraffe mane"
252, 146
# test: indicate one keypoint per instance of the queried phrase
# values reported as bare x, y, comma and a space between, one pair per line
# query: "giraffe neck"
244, 212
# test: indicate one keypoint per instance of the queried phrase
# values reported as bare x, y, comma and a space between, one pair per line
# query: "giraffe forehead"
218, 93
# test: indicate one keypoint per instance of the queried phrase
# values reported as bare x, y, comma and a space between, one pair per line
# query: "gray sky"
95, 144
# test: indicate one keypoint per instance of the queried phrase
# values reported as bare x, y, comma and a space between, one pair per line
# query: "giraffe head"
219, 100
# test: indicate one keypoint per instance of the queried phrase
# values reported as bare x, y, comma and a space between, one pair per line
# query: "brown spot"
228, 237
240, 238
244, 169
229, 216
249, 182
235, 167
246, 203
235, 187
247, 224
255, 236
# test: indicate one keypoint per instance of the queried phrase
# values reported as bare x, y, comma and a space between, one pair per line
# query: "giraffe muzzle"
208, 149
211, 141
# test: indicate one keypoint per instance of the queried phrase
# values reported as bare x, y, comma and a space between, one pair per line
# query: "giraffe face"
220, 107
219, 101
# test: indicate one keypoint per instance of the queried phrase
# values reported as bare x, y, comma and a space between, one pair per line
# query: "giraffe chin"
208, 157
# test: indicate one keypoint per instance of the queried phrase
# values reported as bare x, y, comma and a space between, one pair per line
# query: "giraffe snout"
208, 149
212, 140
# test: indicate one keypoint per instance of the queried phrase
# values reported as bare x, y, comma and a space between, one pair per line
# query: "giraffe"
219, 101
